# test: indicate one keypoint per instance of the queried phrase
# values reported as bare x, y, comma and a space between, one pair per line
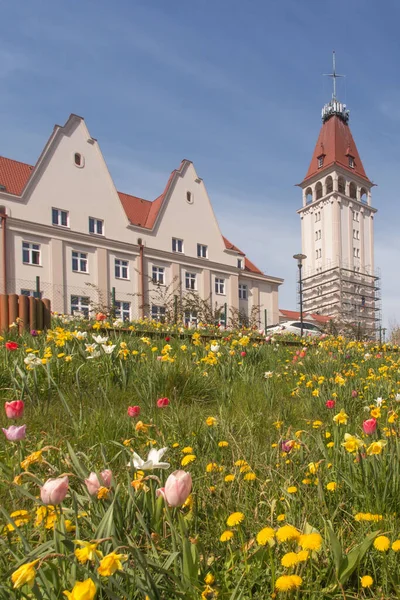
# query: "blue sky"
234, 86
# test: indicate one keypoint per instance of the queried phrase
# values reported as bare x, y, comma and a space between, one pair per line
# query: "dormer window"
79, 160
351, 162
320, 161
240, 263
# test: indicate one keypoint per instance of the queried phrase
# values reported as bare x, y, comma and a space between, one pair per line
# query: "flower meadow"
162, 463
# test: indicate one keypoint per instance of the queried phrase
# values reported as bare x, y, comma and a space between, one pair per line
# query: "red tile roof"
336, 144
294, 315
14, 176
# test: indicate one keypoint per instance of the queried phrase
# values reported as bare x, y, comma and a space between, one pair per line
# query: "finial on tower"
334, 107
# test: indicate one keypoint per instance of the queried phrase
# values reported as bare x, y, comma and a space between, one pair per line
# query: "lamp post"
300, 258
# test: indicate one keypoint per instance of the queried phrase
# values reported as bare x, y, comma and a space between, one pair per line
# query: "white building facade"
337, 228
64, 222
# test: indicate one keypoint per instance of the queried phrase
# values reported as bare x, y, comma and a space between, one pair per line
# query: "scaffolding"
351, 296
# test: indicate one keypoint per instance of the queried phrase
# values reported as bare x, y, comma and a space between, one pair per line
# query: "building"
67, 231
337, 227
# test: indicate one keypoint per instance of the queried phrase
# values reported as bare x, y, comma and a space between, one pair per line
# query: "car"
309, 329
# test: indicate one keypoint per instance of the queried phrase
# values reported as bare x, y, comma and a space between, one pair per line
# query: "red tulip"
243, 353
101, 316
177, 488
167, 339
54, 490
133, 411
162, 402
369, 426
12, 346
14, 409
330, 404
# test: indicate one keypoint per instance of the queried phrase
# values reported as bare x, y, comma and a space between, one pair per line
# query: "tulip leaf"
354, 557
336, 548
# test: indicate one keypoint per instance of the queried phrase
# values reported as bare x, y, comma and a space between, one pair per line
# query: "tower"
337, 227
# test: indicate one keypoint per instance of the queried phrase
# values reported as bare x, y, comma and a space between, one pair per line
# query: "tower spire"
334, 107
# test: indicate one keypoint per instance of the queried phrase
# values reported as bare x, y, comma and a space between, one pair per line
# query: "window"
318, 253
122, 310
202, 251
189, 197
242, 291
240, 263
351, 162
80, 304
79, 160
320, 161
341, 185
27, 292
329, 184
158, 313
317, 216
79, 262
356, 252
219, 285
121, 269
60, 217
158, 275
177, 245
190, 281
356, 234
318, 190
190, 318
316, 235
319, 234
96, 226
30, 253
356, 216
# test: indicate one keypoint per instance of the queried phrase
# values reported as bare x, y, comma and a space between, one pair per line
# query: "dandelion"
310, 541
292, 489
223, 444
396, 546
235, 519
211, 421
290, 559
287, 533
286, 583
186, 460
226, 536
186, 449
250, 477
281, 517
209, 579
229, 478
265, 535
366, 581
382, 543
331, 486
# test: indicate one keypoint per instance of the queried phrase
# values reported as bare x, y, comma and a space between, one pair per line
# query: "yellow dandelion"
235, 519
286, 533
226, 536
292, 489
223, 444
396, 546
186, 460
382, 543
366, 581
265, 535
310, 541
290, 559
331, 486
229, 478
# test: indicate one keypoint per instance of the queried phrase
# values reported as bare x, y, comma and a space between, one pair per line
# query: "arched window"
329, 184
353, 191
79, 160
318, 190
341, 185
309, 197
363, 195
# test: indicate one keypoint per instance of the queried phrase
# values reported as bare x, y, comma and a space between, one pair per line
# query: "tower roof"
335, 144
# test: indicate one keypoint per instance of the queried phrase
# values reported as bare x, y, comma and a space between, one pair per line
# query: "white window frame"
121, 268
158, 312
122, 310
96, 223
351, 162
219, 286
190, 318
80, 259
81, 305
59, 213
243, 291
176, 244
158, 275
320, 162
190, 280
202, 251
240, 263
31, 248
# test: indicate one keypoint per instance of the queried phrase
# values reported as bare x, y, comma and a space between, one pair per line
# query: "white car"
295, 327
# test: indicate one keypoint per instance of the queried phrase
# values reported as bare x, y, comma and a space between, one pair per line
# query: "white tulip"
152, 462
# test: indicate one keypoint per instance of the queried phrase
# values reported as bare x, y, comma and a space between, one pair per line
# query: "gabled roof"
294, 315
15, 175
335, 143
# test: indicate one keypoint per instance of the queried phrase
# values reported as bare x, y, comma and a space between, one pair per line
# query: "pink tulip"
54, 490
15, 433
93, 483
14, 409
133, 411
162, 402
369, 426
177, 488
354, 394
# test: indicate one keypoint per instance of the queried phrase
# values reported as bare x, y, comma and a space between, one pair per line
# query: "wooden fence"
28, 312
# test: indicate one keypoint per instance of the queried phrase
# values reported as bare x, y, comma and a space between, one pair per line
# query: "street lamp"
300, 258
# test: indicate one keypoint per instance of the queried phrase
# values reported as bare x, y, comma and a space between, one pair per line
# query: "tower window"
341, 185
79, 160
351, 162
353, 191
309, 196
329, 184
320, 161
189, 197
318, 190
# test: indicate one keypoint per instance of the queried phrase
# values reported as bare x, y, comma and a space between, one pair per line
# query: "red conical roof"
335, 143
